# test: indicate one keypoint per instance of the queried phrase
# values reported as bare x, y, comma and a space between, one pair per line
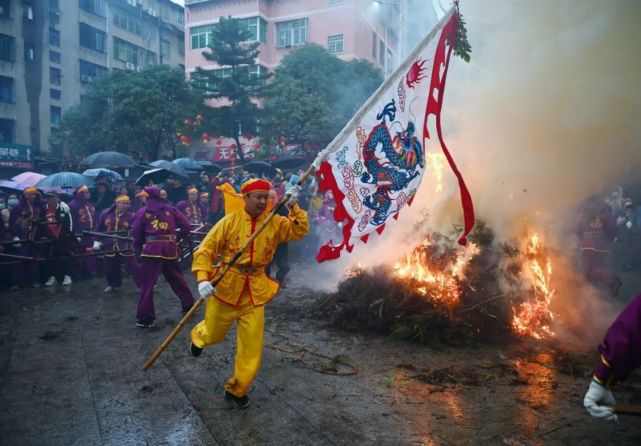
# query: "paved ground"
70, 374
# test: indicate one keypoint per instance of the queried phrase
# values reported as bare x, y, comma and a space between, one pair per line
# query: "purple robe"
111, 221
83, 214
196, 213
155, 231
621, 347
23, 223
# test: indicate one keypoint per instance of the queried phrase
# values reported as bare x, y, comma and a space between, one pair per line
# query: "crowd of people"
609, 230
48, 225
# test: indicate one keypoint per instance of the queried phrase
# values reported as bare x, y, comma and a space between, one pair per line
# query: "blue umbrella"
188, 164
67, 181
109, 159
100, 172
176, 169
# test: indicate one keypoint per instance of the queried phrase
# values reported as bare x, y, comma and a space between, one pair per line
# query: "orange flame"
439, 285
533, 318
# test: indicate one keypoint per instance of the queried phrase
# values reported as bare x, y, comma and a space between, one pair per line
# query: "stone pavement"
71, 374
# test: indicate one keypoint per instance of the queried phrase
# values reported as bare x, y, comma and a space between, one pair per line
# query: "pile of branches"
377, 300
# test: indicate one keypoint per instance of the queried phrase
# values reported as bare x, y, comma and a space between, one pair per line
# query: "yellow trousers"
249, 337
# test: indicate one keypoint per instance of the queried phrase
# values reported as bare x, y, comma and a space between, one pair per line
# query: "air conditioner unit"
152, 12
133, 2
85, 78
139, 68
130, 66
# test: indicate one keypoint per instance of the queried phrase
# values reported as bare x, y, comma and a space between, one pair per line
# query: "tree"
237, 85
129, 111
314, 94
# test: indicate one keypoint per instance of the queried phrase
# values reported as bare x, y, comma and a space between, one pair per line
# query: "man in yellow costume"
242, 293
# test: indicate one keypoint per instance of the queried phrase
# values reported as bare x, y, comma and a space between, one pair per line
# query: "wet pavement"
71, 374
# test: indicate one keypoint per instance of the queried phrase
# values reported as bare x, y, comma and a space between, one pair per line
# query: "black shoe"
195, 351
144, 324
241, 401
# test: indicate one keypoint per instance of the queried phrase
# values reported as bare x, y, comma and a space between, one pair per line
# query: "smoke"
545, 115
547, 112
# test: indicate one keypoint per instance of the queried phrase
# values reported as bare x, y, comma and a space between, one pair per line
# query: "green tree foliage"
314, 94
128, 111
236, 86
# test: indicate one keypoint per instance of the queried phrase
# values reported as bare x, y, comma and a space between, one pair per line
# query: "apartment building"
50, 50
347, 28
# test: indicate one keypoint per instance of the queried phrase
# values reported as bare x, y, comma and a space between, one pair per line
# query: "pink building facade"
350, 29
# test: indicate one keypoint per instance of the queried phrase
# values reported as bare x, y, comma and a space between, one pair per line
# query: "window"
150, 58
291, 33
55, 76
335, 44
54, 56
28, 12
201, 36
389, 63
124, 20
181, 17
125, 51
374, 45
56, 114
54, 4
7, 48
54, 37
165, 48
54, 19
381, 54
29, 52
90, 70
257, 27
92, 38
7, 130
6, 89
55, 94
5, 9
96, 7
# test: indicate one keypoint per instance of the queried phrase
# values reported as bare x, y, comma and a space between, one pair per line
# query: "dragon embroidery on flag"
396, 169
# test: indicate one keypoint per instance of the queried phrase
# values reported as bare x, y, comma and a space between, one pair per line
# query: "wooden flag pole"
627, 409
222, 273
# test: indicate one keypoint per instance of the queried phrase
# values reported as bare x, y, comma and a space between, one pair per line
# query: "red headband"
254, 185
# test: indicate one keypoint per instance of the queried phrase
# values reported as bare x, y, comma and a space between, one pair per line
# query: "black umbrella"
109, 160
157, 176
188, 164
260, 168
211, 167
289, 162
170, 167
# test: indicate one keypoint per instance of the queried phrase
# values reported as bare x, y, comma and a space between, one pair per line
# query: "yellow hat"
83, 188
122, 199
192, 190
30, 190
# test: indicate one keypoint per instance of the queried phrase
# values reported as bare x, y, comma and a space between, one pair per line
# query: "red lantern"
205, 138
199, 118
185, 140
188, 122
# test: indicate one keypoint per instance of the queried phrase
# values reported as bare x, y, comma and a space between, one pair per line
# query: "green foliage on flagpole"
462, 48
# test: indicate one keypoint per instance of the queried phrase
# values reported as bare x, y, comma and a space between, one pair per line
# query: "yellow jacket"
228, 236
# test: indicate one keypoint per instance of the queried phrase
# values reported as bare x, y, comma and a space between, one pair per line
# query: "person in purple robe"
619, 355
23, 225
117, 218
155, 234
83, 214
193, 209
